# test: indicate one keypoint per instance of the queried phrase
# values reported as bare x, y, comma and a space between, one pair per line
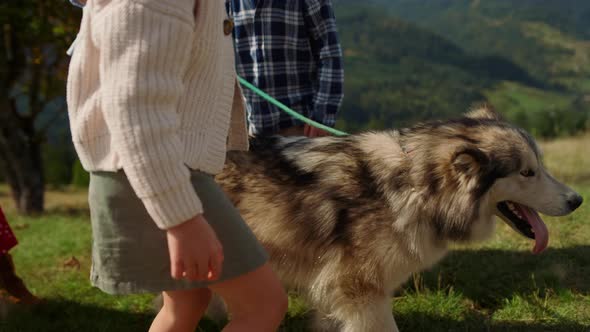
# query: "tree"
34, 36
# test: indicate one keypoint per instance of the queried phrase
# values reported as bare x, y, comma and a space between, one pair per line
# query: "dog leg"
324, 323
368, 315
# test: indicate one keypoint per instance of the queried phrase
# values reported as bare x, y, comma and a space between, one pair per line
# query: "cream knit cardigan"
152, 90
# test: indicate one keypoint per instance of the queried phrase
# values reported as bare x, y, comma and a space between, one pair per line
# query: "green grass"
509, 95
573, 63
497, 286
543, 112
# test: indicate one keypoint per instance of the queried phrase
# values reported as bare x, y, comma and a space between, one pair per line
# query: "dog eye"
527, 173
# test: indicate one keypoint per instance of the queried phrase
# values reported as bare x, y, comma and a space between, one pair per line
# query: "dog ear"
484, 111
470, 160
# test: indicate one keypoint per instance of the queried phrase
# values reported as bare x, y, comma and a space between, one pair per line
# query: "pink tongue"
539, 227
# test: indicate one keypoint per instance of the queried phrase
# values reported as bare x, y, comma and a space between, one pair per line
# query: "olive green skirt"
130, 253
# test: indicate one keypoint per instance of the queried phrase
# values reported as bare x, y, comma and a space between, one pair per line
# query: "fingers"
177, 269
203, 266
191, 272
207, 269
320, 132
306, 130
195, 252
215, 263
311, 131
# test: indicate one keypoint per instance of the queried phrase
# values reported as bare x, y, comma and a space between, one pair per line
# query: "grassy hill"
549, 38
408, 60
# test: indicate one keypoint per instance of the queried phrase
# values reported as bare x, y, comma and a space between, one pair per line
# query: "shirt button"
228, 26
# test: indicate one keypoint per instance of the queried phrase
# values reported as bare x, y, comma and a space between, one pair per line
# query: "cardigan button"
228, 26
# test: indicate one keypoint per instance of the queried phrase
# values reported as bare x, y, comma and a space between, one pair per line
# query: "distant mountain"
551, 39
569, 16
411, 60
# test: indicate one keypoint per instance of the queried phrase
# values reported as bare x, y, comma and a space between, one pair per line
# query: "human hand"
311, 131
195, 252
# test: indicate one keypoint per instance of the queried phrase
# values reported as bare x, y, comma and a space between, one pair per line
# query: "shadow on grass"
60, 316
489, 277
421, 322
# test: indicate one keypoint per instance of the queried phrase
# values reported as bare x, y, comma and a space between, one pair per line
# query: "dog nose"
574, 201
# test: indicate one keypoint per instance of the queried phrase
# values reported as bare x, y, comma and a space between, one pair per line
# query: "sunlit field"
499, 286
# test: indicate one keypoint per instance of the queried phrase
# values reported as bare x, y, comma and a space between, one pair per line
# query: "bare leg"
256, 301
182, 310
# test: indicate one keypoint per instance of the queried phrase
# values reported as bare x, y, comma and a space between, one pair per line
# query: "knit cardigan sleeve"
144, 51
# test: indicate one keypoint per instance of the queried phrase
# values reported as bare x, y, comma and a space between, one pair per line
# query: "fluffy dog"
346, 220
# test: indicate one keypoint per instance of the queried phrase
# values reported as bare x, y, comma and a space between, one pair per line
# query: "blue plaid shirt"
289, 49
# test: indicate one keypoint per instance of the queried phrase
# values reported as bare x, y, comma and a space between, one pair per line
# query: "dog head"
478, 166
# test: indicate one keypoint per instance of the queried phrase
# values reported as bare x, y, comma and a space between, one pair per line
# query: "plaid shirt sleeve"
321, 24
